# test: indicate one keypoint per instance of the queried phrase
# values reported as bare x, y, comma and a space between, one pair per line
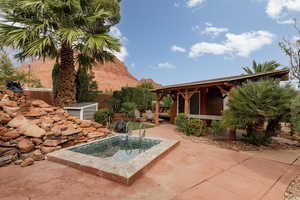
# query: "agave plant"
71, 31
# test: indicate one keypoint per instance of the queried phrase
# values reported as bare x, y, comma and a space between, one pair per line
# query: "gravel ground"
293, 190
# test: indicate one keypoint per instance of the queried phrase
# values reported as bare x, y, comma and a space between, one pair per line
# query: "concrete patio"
190, 171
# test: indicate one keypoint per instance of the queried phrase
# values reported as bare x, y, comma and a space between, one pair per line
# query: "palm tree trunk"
66, 91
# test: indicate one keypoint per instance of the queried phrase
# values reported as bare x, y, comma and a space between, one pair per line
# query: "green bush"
254, 103
196, 127
128, 108
180, 121
295, 114
215, 128
192, 126
103, 116
86, 86
257, 138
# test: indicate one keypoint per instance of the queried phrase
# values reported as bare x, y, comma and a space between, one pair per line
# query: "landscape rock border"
29, 129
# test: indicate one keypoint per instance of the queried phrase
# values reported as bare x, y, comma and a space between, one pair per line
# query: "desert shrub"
103, 116
128, 109
190, 126
196, 127
180, 121
295, 114
257, 138
254, 103
215, 128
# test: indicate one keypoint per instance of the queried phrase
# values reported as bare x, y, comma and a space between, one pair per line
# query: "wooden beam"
157, 109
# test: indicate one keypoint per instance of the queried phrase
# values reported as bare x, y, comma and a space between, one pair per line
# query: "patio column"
232, 132
174, 108
187, 95
157, 107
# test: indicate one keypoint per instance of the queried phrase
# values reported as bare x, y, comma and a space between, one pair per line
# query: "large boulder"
25, 146
27, 162
85, 123
4, 118
12, 134
51, 143
27, 128
11, 110
37, 155
40, 104
11, 104
47, 149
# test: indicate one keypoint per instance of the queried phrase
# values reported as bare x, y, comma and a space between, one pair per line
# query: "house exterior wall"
210, 100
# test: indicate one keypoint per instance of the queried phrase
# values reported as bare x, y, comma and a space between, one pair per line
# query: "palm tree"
71, 31
264, 67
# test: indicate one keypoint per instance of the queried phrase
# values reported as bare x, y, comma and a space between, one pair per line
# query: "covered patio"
207, 99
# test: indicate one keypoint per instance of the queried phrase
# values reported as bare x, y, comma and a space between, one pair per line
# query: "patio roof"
280, 74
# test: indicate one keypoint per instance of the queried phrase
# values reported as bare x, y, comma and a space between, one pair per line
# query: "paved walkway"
191, 171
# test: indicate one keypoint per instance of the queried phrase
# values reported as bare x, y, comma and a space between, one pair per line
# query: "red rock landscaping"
31, 129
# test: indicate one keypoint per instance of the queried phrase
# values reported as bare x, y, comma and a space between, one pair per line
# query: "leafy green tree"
167, 101
55, 80
264, 67
254, 103
295, 114
140, 96
146, 85
71, 31
9, 73
86, 86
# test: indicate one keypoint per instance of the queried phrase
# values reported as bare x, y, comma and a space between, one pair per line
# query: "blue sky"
174, 41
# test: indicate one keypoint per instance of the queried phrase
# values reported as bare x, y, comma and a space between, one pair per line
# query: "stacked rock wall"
29, 129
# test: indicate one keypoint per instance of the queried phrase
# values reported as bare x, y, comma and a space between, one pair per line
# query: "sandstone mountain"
109, 76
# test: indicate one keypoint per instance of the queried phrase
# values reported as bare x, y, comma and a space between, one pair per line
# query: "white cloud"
166, 65
288, 21
122, 54
176, 4
213, 31
115, 32
275, 8
208, 48
175, 48
194, 3
241, 45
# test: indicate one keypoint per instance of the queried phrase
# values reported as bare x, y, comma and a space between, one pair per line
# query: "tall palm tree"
264, 67
71, 31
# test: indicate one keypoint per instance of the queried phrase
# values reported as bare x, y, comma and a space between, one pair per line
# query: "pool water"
119, 148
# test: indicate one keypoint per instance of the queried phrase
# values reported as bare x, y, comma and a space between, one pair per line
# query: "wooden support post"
186, 103
157, 107
174, 106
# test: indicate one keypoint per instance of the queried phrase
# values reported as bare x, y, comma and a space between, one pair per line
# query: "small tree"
9, 73
142, 97
55, 80
146, 85
291, 48
86, 86
295, 114
254, 103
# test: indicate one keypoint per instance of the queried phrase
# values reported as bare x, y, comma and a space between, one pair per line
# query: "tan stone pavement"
191, 171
